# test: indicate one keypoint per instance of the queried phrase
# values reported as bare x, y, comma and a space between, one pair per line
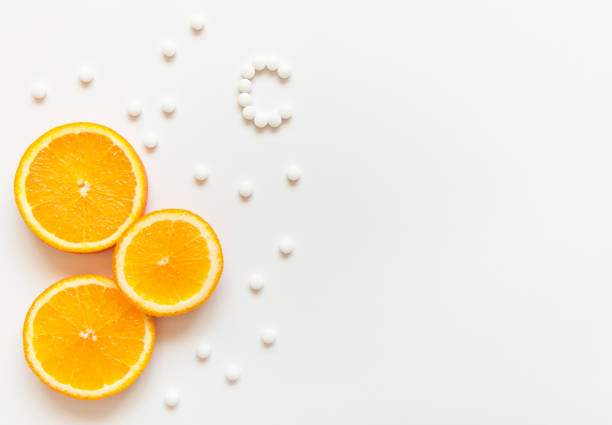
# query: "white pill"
200, 173
134, 109
232, 372
272, 63
256, 282
268, 336
249, 112
203, 351
247, 71
293, 173
86, 75
284, 71
261, 119
285, 246
244, 99
245, 189
168, 106
275, 120
151, 140
244, 85
172, 398
169, 50
39, 92
197, 23
259, 63
285, 111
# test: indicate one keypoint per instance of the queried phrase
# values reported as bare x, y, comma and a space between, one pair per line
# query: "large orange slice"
79, 186
168, 262
83, 338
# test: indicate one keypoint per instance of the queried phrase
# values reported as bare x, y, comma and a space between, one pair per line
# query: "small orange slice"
79, 186
83, 338
168, 262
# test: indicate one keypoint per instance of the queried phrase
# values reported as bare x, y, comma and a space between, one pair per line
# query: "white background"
452, 228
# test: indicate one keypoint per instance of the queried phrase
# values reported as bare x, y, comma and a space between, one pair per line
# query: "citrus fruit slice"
84, 338
79, 186
168, 262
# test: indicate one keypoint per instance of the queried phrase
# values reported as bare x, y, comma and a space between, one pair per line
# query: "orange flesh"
167, 262
88, 336
81, 187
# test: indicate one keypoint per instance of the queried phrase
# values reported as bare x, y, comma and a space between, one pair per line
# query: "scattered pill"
172, 399
197, 23
285, 111
86, 76
259, 63
247, 71
245, 86
203, 351
232, 372
39, 92
168, 106
293, 173
268, 336
285, 246
245, 99
284, 71
134, 109
245, 190
272, 63
169, 50
151, 140
275, 120
200, 173
261, 119
256, 282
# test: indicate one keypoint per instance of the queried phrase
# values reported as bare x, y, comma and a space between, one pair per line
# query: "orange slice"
83, 338
168, 262
79, 186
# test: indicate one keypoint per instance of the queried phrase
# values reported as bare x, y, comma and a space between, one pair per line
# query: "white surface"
452, 229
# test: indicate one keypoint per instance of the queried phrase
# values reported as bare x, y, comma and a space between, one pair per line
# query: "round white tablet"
245, 189
244, 85
247, 71
256, 282
261, 119
272, 63
232, 372
86, 75
197, 23
169, 50
293, 173
134, 109
168, 106
245, 99
172, 398
275, 120
268, 336
285, 111
249, 112
259, 63
284, 71
39, 92
285, 246
203, 351
151, 140
200, 173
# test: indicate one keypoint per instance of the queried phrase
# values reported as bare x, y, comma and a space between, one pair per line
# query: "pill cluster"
245, 100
